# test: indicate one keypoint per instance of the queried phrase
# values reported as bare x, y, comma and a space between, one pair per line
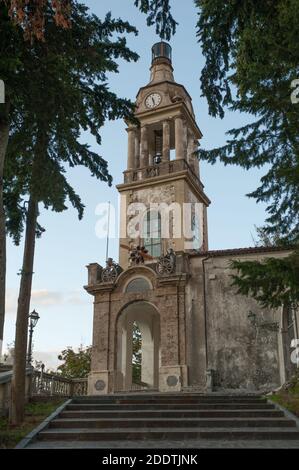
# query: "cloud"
49, 358
77, 297
46, 298
11, 301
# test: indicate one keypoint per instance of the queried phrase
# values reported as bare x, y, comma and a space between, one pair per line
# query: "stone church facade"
196, 332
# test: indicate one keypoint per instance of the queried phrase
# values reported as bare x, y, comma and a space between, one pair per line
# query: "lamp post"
34, 317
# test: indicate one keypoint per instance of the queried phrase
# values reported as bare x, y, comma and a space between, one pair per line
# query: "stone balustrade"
56, 385
40, 384
164, 168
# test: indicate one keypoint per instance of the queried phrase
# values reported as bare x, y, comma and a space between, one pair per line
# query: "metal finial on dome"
161, 49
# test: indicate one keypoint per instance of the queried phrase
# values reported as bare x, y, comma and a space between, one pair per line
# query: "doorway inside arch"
138, 348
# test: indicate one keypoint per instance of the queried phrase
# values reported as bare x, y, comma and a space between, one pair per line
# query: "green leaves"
76, 365
252, 55
273, 282
137, 354
60, 89
159, 14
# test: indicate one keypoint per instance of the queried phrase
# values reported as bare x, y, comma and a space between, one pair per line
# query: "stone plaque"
99, 385
172, 381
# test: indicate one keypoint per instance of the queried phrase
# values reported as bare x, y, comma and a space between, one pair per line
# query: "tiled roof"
241, 251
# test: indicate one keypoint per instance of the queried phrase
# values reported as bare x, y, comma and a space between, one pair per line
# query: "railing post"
31, 383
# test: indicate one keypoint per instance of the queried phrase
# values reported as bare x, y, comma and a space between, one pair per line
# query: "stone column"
166, 141
144, 155
137, 149
151, 151
179, 138
195, 159
131, 148
190, 149
185, 139
127, 353
98, 379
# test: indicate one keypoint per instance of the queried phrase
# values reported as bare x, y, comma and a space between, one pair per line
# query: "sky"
68, 244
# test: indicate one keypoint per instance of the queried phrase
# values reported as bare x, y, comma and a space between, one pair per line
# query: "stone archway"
147, 318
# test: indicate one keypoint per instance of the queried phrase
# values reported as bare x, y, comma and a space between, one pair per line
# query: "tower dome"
161, 50
161, 68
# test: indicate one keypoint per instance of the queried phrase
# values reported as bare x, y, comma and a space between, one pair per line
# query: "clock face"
153, 100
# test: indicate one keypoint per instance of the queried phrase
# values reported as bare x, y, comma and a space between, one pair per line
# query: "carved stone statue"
112, 270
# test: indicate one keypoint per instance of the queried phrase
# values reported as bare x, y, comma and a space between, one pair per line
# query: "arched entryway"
144, 316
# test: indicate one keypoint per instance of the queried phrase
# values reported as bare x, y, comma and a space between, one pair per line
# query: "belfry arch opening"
139, 319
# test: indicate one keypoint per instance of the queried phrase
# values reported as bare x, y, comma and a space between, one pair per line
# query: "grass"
289, 396
35, 413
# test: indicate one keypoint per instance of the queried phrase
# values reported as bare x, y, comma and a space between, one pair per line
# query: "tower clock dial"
153, 100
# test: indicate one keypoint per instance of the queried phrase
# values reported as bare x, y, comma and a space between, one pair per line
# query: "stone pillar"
151, 151
148, 340
195, 159
179, 138
144, 155
137, 149
98, 379
190, 149
127, 355
166, 141
131, 148
185, 139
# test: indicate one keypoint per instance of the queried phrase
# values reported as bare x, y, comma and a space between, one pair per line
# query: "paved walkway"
195, 444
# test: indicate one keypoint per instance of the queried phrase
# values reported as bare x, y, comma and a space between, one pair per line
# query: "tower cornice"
185, 174
154, 84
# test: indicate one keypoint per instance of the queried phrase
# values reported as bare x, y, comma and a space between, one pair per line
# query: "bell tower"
162, 168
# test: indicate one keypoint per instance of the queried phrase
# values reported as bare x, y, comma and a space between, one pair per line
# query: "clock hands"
153, 100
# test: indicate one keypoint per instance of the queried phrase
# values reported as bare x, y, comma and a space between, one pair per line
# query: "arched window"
139, 284
152, 232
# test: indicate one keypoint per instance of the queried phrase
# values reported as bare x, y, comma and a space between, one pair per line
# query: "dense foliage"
30, 15
251, 58
76, 365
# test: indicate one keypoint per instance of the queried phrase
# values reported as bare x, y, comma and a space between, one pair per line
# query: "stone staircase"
169, 420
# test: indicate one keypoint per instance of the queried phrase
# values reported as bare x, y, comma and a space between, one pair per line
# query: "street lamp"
34, 317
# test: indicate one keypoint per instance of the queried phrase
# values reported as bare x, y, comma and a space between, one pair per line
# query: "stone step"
254, 413
172, 400
81, 434
165, 395
163, 406
171, 422
177, 444
122, 420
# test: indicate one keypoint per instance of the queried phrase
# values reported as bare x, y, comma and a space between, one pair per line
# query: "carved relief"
166, 263
154, 195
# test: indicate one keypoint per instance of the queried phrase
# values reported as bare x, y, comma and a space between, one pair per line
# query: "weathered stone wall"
243, 353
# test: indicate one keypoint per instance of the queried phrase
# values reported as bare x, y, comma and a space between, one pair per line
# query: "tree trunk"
4, 133
19, 367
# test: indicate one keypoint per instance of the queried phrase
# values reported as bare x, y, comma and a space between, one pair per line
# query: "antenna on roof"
108, 230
